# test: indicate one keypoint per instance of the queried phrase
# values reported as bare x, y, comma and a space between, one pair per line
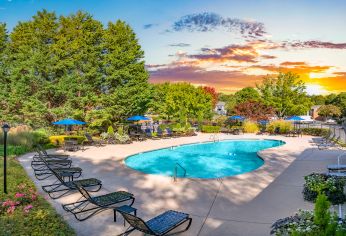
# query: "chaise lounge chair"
333, 143
67, 186
159, 225
100, 203
336, 167
40, 150
93, 142
44, 172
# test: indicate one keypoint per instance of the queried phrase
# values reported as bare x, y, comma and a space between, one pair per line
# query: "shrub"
211, 129
250, 127
320, 222
332, 187
285, 126
315, 131
25, 137
60, 139
110, 131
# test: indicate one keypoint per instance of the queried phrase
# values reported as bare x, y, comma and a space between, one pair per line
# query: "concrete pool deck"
246, 204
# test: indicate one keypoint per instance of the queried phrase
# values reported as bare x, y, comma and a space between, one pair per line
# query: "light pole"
5, 129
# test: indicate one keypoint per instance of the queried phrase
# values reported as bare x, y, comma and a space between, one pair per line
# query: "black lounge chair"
81, 211
67, 186
160, 133
41, 163
40, 150
93, 142
169, 132
336, 167
159, 225
44, 172
333, 143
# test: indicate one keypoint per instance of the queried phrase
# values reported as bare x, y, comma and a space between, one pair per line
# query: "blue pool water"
203, 160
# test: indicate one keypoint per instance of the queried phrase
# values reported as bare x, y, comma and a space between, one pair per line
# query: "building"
220, 108
314, 112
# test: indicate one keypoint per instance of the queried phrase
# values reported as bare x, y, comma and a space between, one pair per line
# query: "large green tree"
181, 102
286, 93
71, 66
247, 94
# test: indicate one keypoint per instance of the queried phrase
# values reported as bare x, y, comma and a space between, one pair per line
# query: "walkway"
241, 205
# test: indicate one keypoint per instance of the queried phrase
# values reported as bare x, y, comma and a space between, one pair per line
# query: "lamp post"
5, 128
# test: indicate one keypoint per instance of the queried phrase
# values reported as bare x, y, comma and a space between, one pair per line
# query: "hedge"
315, 131
60, 139
211, 129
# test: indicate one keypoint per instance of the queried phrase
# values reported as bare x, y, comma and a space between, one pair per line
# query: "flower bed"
23, 211
331, 186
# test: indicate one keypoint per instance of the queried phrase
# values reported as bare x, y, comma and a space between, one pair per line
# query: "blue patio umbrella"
294, 118
69, 122
137, 118
237, 118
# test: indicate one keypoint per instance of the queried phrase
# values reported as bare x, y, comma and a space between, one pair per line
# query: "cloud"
295, 68
148, 26
293, 63
180, 45
208, 21
235, 52
317, 44
268, 57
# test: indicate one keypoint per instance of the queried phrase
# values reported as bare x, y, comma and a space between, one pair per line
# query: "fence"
337, 130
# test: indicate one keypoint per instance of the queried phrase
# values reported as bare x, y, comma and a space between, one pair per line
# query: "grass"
42, 219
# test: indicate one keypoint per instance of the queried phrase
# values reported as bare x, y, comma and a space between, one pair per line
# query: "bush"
60, 139
25, 138
211, 129
285, 126
110, 131
315, 131
250, 127
332, 187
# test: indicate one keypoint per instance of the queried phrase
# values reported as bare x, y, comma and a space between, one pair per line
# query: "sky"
222, 43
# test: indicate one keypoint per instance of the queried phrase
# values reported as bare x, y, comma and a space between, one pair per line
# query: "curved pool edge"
258, 153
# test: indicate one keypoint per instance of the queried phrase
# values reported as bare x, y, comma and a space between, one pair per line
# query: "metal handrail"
176, 171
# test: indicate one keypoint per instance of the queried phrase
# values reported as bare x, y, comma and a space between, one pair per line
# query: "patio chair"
333, 143
337, 174
149, 134
81, 210
169, 132
41, 162
67, 186
277, 131
160, 133
44, 171
93, 142
336, 167
159, 225
41, 151
71, 145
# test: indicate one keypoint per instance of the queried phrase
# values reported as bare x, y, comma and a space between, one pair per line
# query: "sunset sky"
224, 44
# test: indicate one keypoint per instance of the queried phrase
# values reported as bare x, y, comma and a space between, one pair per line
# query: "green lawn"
42, 219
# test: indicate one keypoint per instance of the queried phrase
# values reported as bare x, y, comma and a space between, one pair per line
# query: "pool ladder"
214, 138
175, 171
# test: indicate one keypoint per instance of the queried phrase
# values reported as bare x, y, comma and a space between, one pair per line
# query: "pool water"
203, 160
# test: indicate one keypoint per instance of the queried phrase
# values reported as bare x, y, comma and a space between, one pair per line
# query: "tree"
181, 102
71, 66
254, 110
247, 94
318, 99
213, 94
329, 111
286, 93
340, 102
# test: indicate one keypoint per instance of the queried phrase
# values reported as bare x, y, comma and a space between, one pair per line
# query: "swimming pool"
203, 160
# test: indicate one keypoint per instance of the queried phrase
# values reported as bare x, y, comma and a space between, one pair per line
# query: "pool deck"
246, 204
